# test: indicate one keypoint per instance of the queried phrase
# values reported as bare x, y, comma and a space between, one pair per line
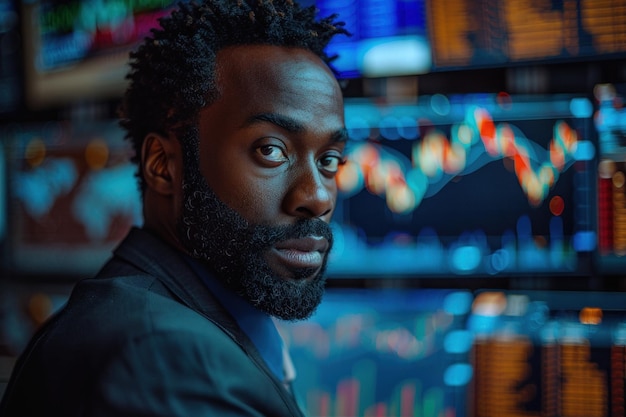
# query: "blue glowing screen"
388, 37
465, 186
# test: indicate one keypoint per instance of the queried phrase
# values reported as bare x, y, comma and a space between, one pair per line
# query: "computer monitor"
383, 352
76, 51
388, 38
548, 353
72, 196
480, 185
610, 121
504, 33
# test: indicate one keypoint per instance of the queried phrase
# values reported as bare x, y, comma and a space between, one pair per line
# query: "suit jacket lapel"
158, 259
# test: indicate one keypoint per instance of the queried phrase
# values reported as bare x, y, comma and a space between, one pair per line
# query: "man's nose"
311, 194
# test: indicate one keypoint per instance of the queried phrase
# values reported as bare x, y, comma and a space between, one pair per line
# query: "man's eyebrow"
285, 122
340, 136
292, 125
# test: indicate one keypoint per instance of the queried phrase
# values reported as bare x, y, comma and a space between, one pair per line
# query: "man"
237, 123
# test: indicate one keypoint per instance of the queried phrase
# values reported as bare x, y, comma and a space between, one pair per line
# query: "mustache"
262, 237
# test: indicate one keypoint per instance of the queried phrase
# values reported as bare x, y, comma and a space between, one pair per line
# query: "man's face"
258, 206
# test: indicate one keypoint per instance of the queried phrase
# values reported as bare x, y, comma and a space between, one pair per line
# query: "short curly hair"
172, 74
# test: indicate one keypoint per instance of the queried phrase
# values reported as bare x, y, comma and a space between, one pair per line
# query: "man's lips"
305, 252
305, 244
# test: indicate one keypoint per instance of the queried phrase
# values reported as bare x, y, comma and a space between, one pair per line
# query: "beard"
234, 249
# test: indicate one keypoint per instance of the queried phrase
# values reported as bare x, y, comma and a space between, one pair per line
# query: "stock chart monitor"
465, 186
445, 353
374, 353
78, 50
548, 354
495, 33
388, 38
610, 121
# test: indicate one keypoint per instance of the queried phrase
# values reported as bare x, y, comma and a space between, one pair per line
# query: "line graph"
438, 158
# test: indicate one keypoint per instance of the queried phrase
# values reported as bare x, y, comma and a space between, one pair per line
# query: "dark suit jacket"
144, 337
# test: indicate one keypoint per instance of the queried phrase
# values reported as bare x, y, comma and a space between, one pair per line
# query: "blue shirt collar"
256, 324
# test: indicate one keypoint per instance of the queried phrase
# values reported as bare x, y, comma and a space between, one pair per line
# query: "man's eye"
272, 153
331, 163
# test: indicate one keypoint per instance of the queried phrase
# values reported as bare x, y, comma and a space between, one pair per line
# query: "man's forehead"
258, 59
266, 79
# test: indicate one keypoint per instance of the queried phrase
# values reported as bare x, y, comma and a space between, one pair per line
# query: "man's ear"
160, 162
